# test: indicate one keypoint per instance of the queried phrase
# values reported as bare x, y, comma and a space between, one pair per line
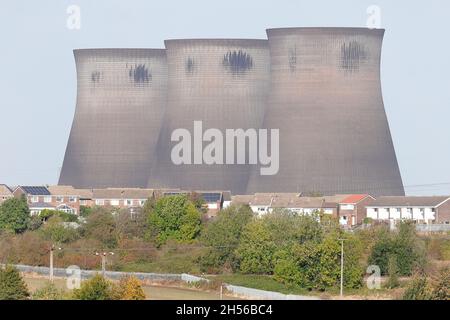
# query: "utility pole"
103, 256
342, 267
52, 248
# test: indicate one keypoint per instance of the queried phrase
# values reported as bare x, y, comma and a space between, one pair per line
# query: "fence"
433, 227
242, 292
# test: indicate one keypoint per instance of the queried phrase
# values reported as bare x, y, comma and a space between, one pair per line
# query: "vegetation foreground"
282, 251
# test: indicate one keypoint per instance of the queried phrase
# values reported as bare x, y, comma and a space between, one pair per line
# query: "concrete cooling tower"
326, 101
120, 103
224, 84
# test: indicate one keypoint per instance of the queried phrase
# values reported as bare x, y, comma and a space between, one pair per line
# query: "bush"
418, 289
12, 286
100, 225
96, 288
441, 289
129, 288
48, 292
55, 231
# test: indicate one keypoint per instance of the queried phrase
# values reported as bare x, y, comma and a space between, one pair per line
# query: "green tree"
12, 286
316, 265
404, 244
96, 288
173, 217
14, 215
256, 249
222, 236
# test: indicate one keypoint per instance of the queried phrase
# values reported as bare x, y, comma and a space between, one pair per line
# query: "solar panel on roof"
33, 190
211, 197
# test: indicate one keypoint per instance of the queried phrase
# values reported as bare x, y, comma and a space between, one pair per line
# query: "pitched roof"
63, 191
35, 190
391, 201
122, 193
354, 198
5, 190
287, 200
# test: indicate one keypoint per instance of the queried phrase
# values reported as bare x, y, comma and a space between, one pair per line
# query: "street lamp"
103, 256
52, 248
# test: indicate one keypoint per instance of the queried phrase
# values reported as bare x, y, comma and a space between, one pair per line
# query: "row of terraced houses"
350, 209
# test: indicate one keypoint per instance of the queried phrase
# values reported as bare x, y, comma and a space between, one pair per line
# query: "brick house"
427, 210
38, 198
121, 197
214, 200
352, 209
5, 193
262, 203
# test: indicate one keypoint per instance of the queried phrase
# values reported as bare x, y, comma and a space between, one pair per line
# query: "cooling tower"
224, 84
326, 101
120, 103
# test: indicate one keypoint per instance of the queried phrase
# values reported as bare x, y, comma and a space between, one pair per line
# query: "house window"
59, 199
34, 199
100, 202
83, 202
47, 199
129, 202
72, 199
141, 202
114, 202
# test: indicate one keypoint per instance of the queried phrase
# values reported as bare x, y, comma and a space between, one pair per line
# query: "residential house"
352, 209
5, 193
121, 197
65, 198
214, 200
262, 203
38, 198
433, 209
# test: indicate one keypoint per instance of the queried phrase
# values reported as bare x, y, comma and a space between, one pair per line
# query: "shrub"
48, 292
441, 289
12, 286
55, 231
418, 289
129, 288
96, 288
100, 225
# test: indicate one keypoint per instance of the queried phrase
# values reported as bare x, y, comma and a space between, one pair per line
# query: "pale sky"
38, 80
